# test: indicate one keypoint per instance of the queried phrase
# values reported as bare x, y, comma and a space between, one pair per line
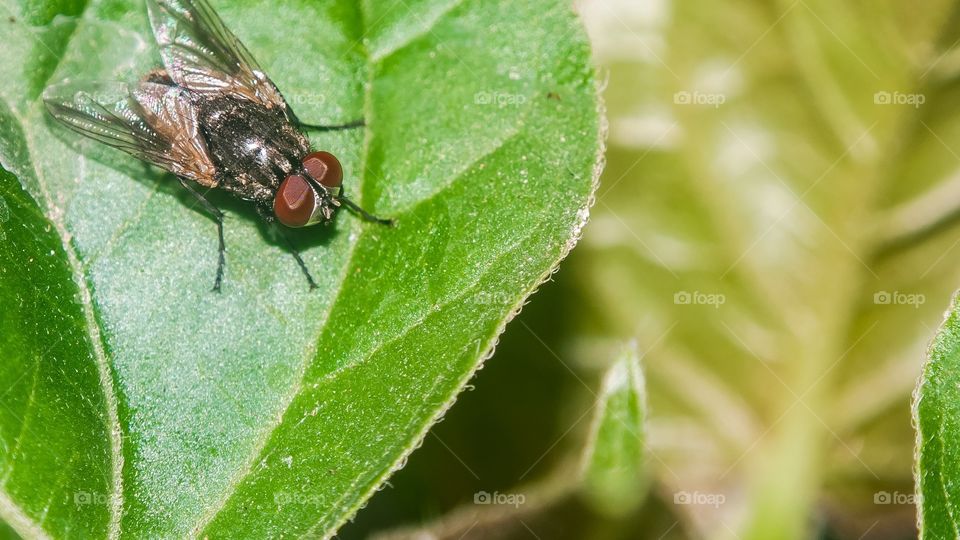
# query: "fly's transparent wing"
202, 55
103, 112
155, 123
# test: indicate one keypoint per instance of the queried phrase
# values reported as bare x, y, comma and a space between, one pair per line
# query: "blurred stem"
927, 214
801, 30
787, 478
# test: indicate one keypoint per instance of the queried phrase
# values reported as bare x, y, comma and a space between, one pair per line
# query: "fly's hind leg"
218, 217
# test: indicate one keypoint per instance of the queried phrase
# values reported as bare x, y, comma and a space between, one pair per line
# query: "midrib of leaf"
214, 510
93, 329
380, 56
310, 353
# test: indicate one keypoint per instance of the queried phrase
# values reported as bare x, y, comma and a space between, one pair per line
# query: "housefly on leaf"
212, 117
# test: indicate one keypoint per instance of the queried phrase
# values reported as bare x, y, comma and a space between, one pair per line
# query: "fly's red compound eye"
295, 201
324, 168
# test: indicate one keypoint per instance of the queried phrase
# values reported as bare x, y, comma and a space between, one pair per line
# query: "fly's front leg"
366, 216
318, 127
335, 127
296, 255
218, 217
268, 217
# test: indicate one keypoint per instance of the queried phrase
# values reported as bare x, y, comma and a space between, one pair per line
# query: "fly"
213, 118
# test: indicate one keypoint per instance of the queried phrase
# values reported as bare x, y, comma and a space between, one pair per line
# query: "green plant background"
813, 223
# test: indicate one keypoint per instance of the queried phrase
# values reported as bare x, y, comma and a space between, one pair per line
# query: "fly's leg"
317, 127
296, 255
267, 216
366, 216
218, 217
335, 127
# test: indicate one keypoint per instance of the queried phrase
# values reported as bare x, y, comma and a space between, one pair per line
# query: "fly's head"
310, 196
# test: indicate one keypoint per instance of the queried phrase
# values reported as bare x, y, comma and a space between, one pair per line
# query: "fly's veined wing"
202, 55
153, 122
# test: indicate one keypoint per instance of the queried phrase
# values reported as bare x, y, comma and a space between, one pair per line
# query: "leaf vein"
418, 33
104, 370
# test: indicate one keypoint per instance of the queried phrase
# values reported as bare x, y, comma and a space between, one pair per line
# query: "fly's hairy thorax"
253, 147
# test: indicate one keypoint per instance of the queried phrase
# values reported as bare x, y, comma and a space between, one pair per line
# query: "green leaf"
270, 409
936, 414
56, 412
614, 465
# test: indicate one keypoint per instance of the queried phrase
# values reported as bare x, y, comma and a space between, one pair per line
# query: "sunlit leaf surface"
167, 410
